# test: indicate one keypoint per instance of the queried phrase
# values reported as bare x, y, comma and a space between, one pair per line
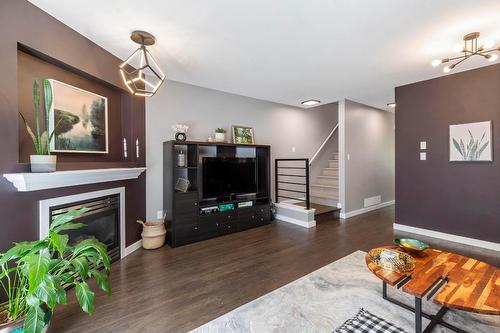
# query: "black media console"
191, 217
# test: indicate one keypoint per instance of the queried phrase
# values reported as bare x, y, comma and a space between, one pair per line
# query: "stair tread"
327, 186
328, 177
334, 160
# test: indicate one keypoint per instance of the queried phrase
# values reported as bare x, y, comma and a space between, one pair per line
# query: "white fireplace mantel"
31, 181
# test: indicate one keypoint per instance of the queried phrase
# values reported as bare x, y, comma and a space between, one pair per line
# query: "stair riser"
333, 164
327, 202
330, 193
327, 181
330, 172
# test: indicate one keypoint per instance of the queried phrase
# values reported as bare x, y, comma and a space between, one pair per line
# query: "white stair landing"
293, 214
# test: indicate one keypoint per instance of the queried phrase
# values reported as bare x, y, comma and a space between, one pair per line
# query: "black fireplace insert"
102, 221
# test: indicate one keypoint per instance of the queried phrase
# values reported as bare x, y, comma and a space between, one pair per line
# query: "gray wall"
369, 141
281, 126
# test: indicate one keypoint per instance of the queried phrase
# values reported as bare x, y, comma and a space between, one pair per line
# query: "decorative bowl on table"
410, 244
392, 260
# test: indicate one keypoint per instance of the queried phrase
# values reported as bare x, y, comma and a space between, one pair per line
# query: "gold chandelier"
140, 72
470, 49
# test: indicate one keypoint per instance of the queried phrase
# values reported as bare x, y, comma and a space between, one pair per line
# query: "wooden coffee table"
452, 280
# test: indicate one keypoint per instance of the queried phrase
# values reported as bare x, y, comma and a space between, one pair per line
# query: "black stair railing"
291, 180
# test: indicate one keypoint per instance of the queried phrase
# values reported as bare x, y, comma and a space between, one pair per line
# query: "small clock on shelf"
179, 136
180, 132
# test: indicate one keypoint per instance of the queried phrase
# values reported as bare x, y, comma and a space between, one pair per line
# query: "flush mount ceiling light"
140, 72
391, 105
470, 49
310, 102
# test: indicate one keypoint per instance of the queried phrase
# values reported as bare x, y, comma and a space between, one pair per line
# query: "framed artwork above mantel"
80, 120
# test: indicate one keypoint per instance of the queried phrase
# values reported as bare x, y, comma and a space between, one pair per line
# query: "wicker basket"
153, 234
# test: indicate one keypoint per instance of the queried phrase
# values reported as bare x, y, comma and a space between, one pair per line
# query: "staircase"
325, 187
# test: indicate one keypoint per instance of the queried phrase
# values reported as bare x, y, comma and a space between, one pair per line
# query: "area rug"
324, 299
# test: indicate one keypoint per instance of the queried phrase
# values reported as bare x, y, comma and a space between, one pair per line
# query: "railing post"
308, 205
276, 180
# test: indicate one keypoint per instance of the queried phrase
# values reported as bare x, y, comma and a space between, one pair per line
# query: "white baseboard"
134, 247
449, 237
309, 224
366, 209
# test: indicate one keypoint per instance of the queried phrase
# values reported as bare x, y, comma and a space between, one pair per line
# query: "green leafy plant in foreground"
41, 140
35, 276
473, 150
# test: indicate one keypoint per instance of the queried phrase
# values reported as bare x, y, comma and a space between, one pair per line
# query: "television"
226, 176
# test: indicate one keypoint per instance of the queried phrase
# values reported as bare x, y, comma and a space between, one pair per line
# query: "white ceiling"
288, 51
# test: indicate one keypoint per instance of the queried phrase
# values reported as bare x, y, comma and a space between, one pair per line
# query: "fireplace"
104, 220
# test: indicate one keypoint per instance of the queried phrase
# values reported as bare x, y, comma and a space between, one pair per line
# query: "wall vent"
373, 201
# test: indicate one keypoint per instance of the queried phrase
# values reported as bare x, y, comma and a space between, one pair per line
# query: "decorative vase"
220, 137
43, 163
18, 325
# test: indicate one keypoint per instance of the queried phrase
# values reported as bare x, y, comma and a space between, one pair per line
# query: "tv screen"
223, 176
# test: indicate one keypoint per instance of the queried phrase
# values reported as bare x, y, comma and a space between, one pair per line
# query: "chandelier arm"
459, 62
458, 57
491, 50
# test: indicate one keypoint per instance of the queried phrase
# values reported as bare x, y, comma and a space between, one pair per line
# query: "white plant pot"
43, 163
220, 137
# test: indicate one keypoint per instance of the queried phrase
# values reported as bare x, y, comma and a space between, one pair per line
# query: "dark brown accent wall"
36, 46
451, 197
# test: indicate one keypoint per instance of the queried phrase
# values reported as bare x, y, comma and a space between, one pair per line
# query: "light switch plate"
423, 145
423, 156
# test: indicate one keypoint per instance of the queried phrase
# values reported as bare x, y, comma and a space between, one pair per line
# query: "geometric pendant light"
140, 72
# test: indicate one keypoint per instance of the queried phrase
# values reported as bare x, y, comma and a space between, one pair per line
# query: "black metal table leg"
436, 319
418, 315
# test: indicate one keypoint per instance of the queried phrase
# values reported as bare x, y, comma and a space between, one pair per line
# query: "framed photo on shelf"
80, 120
243, 135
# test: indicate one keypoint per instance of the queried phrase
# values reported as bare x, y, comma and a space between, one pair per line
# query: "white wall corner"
342, 156
295, 215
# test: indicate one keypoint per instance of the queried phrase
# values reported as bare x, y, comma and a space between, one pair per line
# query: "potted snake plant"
36, 276
42, 160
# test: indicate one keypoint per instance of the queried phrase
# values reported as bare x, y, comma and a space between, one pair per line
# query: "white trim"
30, 181
134, 247
309, 224
366, 209
44, 211
342, 159
449, 237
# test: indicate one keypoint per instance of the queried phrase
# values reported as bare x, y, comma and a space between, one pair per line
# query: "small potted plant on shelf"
42, 160
220, 135
35, 276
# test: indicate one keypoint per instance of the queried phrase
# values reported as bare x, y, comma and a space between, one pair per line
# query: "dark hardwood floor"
175, 290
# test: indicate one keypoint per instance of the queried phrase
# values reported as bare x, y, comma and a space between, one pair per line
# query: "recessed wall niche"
31, 67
